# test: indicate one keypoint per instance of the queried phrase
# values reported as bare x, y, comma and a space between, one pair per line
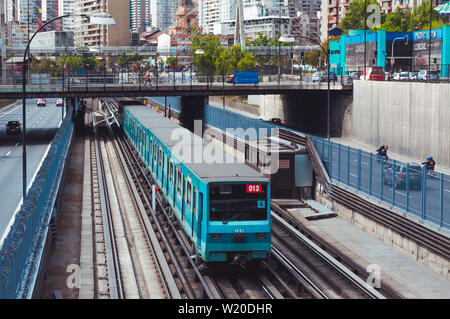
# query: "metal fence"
407, 186
22, 249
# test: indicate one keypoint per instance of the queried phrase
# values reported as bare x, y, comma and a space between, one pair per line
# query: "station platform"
412, 279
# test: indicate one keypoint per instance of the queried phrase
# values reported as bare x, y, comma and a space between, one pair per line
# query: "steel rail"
113, 266
330, 260
168, 282
125, 145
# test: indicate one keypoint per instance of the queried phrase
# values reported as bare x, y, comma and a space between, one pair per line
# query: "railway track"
127, 263
296, 268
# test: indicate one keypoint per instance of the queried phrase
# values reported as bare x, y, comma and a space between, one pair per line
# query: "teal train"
222, 205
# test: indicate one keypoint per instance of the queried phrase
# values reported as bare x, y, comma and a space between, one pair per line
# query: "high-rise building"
87, 34
209, 14
139, 15
163, 13
66, 7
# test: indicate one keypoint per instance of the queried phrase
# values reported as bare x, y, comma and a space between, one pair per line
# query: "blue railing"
410, 188
415, 191
21, 252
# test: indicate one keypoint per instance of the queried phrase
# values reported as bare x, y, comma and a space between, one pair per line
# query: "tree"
397, 21
354, 18
421, 17
172, 61
126, 61
206, 62
234, 59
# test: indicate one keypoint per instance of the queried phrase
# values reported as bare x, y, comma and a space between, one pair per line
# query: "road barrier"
22, 249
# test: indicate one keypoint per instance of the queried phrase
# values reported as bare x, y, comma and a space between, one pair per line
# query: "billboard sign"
246, 77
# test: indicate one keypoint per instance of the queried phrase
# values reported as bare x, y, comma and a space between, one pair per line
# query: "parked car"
60, 102
41, 102
276, 121
415, 176
404, 76
396, 76
413, 75
424, 74
373, 73
354, 75
13, 127
322, 76
230, 78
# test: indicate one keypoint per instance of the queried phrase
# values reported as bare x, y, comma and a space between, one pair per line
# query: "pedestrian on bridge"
148, 79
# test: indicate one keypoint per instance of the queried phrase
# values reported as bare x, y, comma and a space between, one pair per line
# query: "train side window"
188, 193
160, 157
171, 172
150, 148
154, 151
179, 182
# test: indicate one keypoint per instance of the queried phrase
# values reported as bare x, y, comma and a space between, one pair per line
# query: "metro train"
224, 208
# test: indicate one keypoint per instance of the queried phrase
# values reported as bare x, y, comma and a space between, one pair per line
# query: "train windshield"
237, 202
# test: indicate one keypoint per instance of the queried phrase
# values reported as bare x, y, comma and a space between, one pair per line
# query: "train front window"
237, 202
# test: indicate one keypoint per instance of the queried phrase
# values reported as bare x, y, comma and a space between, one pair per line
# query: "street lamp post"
100, 18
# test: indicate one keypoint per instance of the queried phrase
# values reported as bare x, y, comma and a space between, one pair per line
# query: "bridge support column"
192, 108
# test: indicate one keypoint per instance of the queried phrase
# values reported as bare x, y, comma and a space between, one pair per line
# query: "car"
41, 102
415, 176
13, 127
322, 76
60, 102
404, 76
230, 78
276, 121
424, 74
354, 75
396, 76
413, 75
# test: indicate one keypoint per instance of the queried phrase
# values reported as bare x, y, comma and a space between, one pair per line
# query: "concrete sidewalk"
365, 147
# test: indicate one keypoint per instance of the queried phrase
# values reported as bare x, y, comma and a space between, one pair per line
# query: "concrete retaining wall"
412, 118
390, 237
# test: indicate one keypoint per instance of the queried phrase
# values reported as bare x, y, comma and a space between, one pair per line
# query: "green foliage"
234, 60
126, 61
206, 62
354, 18
43, 65
172, 61
397, 21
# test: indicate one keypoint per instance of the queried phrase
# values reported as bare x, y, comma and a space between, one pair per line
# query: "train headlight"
216, 236
260, 235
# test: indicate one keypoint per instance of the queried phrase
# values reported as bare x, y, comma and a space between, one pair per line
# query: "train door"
193, 210
198, 228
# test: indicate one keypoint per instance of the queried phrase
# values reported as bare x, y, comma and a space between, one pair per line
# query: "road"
42, 123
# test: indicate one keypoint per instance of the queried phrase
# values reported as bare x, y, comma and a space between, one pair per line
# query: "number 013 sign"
254, 188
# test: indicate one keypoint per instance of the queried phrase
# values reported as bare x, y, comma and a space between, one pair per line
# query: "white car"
60, 102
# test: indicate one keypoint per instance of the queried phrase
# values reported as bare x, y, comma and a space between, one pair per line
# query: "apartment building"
163, 13
87, 34
139, 15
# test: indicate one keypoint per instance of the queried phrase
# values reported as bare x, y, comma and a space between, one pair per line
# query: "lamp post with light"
100, 18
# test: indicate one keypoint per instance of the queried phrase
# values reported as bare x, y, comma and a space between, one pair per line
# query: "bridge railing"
22, 249
133, 81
